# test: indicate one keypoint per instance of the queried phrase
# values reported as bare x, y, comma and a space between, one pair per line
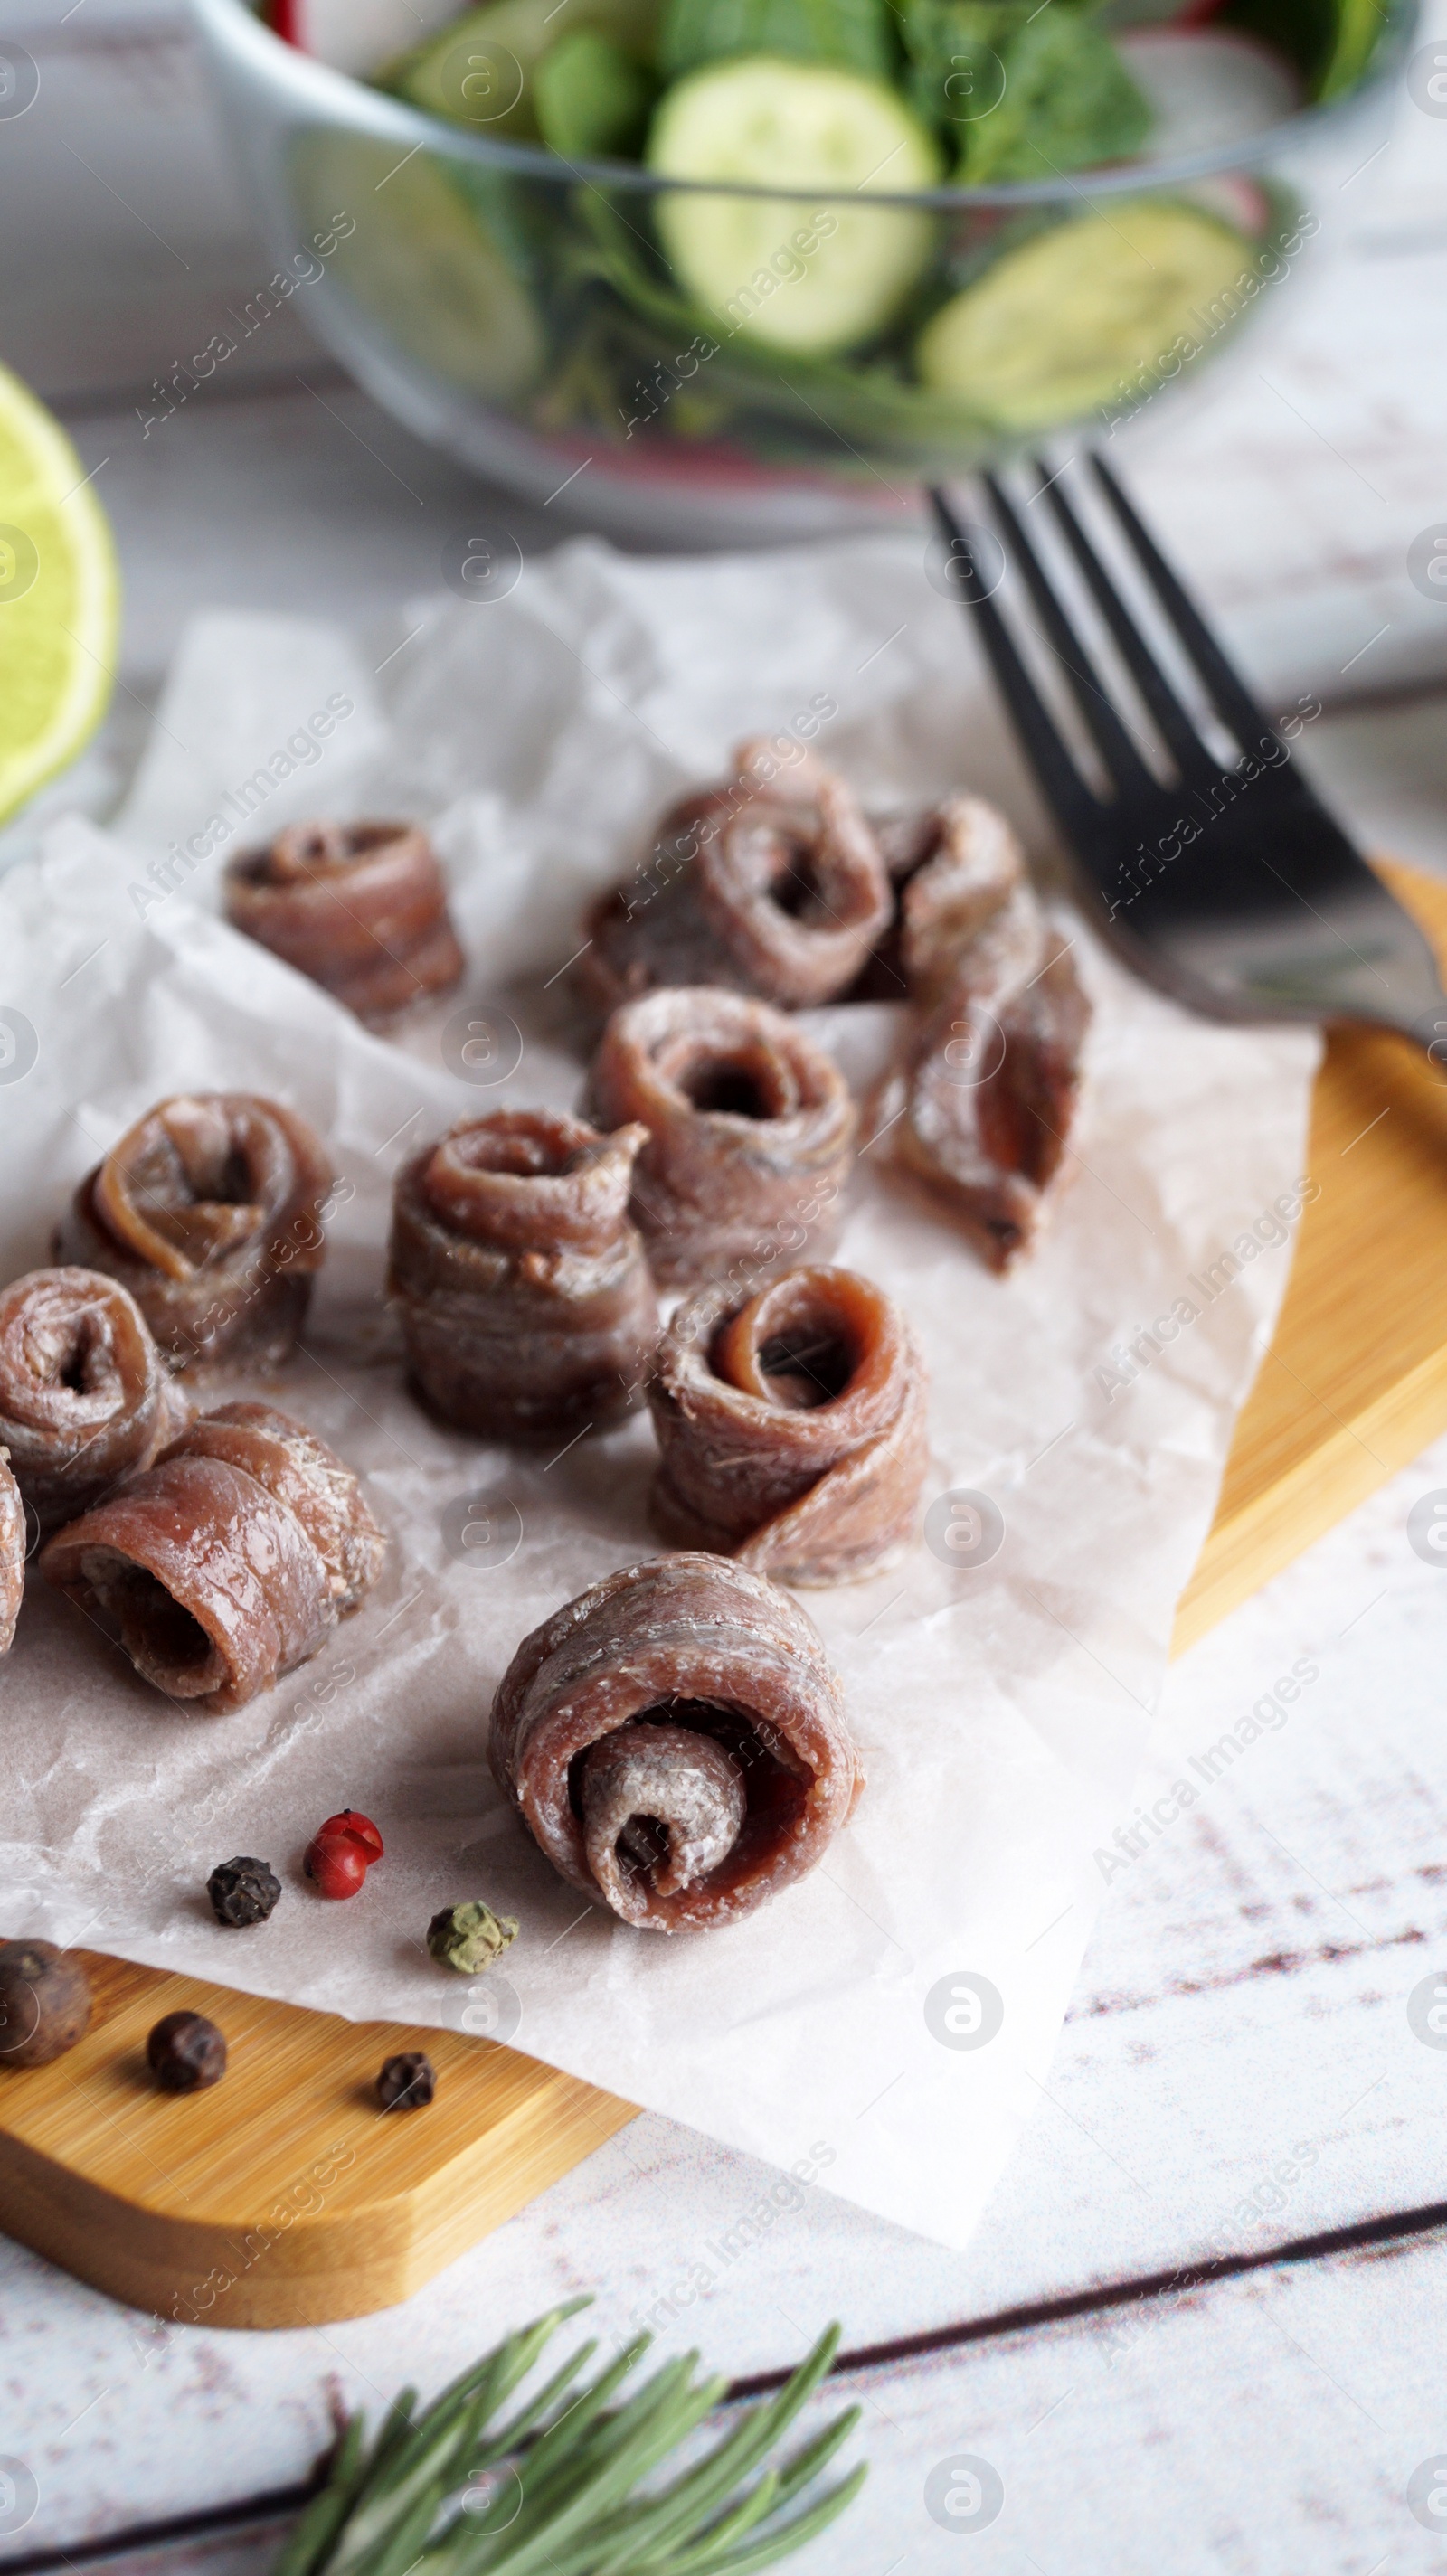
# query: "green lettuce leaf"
1024, 91
590, 97
858, 35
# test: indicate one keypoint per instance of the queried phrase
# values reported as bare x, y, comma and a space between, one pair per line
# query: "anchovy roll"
949, 866
772, 884
750, 1132
84, 1393
971, 884
359, 907
791, 1427
209, 1212
675, 1742
12, 1553
525, 1298
226, 1564
981, 1106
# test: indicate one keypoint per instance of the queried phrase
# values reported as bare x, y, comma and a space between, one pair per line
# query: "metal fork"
1232, 888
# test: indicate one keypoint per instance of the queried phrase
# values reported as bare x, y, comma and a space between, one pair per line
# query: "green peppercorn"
469, 1937
186, 2052
407, 2083
44, 2003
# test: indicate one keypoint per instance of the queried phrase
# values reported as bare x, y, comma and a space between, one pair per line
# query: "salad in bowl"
712, 257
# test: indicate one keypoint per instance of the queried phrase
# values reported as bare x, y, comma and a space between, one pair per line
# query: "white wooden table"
1201, 2324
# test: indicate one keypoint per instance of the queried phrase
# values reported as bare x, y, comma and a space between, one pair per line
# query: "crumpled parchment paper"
885, 2024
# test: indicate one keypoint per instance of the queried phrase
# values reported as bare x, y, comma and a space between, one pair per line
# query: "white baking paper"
1000, 1703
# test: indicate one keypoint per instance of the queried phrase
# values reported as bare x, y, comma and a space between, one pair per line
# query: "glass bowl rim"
345, 99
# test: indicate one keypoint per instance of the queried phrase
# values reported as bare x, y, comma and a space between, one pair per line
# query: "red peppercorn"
341, 1852
361, 1829
336, 1864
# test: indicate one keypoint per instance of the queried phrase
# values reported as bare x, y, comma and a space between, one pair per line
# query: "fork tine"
1123, 762
1070, 799
1224, 686
1176, 728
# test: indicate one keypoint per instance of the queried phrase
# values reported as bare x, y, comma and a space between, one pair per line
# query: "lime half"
59, 599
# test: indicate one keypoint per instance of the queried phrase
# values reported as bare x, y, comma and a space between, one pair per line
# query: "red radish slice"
1117, 17
1207, 86
360, 36
1237, 201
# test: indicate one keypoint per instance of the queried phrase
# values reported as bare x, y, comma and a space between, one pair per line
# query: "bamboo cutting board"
287, 2198
1355, 1382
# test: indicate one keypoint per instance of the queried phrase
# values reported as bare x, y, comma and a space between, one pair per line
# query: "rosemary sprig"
579, 2456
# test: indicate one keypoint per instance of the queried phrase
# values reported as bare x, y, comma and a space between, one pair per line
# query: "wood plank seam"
1397, 2227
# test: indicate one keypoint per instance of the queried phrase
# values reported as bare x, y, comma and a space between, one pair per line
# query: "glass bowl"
520, 312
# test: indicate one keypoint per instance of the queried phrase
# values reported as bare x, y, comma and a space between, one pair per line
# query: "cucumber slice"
1063, 325
424, 262
479, 72
819, 407
1357, 24
811, 279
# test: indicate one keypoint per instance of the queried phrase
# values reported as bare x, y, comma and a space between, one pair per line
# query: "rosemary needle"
570, 2481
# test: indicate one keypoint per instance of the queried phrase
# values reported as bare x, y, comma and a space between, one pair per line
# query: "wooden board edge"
554, 2135
1359, 1456
321, 2269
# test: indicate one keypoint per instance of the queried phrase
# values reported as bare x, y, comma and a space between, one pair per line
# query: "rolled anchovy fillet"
750, 1133
526, 1302
675, 1742
771, 884
227, 1563
209, 1212
989, 1088
651, 930
85, 1395
949, 867
791, 1427
12, 1553
359, 907
972, 885
982, 1102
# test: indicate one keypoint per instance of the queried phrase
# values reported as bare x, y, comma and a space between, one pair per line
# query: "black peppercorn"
44, 2003
243, 1891
407, 2082
186, 2052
